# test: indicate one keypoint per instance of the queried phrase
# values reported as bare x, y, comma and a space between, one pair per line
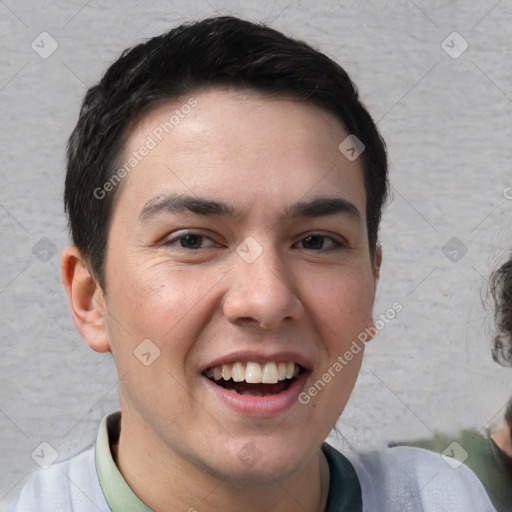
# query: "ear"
370, 329
377, 262
86, 299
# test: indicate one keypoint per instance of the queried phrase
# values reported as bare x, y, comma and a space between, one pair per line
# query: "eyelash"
336, 243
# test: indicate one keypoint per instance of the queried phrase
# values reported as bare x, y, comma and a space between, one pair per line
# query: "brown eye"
313, 242
319, 242
190, 241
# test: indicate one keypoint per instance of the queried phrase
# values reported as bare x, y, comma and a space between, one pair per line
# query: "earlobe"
370, 329
377, 261
86, 299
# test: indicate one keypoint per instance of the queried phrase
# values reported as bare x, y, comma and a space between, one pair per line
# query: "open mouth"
250, 378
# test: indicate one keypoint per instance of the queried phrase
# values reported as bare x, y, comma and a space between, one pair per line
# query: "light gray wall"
447, 122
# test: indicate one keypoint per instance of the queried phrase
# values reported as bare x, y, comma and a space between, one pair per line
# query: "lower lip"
260, 406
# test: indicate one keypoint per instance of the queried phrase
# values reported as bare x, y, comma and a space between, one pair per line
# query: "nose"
261, 293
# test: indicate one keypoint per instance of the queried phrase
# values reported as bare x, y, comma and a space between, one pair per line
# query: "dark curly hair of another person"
501, 291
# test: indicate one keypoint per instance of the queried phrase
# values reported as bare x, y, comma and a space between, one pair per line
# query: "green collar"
117, 492
344, 489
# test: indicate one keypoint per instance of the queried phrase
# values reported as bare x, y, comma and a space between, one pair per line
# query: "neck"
503, 439
164, 481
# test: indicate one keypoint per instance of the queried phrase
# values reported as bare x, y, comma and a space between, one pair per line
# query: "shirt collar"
117, 492
344, 488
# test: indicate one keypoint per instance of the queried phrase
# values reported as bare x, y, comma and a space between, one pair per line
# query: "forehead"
250, 148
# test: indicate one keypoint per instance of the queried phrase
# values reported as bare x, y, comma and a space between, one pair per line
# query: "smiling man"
224, 191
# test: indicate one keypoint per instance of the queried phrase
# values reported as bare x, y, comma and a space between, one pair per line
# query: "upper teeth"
254, 373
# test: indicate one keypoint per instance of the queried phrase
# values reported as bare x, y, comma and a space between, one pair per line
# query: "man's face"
239, 240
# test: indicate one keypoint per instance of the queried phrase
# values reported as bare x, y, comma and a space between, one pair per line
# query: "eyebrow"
318, 207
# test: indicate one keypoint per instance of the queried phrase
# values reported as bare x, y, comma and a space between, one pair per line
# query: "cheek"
161, 302
342, 302
344, 311
331, 390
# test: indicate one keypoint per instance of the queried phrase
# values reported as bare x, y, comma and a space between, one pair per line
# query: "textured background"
447, 122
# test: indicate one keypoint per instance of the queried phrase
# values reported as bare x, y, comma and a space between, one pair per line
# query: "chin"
263, 466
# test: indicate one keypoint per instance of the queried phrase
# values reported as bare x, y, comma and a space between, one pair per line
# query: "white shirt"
401, 479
